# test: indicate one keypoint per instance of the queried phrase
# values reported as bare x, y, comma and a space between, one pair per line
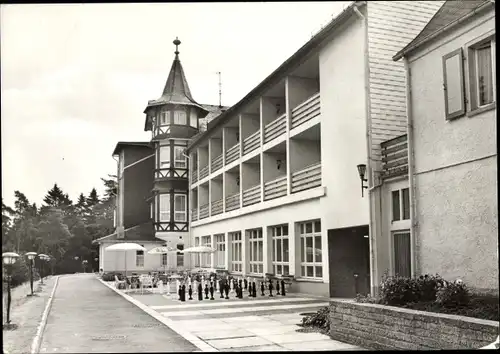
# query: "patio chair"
146, 282
119, 283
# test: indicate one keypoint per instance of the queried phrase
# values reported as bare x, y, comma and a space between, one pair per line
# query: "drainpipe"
411, 167
372, 243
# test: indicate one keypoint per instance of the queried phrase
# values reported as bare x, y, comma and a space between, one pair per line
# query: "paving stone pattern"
87, 317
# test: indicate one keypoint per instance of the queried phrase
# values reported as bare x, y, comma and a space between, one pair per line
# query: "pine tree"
93, 198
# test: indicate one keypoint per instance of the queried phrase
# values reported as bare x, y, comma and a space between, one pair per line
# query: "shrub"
320, 319
110, 276
399, 290
453, 294
428, 286
367, 299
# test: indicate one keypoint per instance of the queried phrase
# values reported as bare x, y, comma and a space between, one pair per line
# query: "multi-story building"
452, 140
153, 178
274, 182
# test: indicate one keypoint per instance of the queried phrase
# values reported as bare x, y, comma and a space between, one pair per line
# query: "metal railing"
275, 128
307, 178
194, 214
204, 172
251, 143
233, 202
251, 195
217, 206
305, 111
204, 211
276, 188
233, 153
194, 175
395, 157
217, 163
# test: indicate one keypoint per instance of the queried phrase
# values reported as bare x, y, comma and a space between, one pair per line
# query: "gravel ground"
26, 312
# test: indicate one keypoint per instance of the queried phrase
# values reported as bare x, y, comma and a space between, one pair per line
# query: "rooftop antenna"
220, 89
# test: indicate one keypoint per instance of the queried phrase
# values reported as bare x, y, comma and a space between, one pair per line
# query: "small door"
402, 253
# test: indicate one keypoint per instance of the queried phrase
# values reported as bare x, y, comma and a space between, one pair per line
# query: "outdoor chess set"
228, 288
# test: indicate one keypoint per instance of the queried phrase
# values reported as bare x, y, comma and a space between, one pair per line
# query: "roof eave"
282, 69
413, 46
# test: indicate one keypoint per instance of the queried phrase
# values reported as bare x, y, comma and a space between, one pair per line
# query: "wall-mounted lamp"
362, 171
278, 164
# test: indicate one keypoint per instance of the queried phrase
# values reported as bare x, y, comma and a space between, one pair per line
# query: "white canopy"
125, 246
199, 249
162, 250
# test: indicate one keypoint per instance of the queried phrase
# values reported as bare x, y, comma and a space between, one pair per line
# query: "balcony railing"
233, 202
306, 110
204, 211
275, 189
217, 163
395, 157
194, 214
217, 207
275, 128
233, 153
171, 172
251, 195
306, 178
251, 143
204, 172
194, 175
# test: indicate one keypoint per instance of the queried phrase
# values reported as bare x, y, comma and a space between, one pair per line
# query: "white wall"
343, 128
115, 260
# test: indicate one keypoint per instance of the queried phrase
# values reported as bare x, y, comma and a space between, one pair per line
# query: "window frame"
183, 158
193, 117
197, 259
236, 244
220, 253
279, 265
177, 115
401, 205
473, 92
303, 235
139, 258
164, 259
161, 156
461, 112
255, 238
395, 257
205, 257
164, 118
164, 197
183, 212
179, 262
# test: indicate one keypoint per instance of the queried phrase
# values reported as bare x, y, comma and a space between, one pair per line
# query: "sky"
75, 78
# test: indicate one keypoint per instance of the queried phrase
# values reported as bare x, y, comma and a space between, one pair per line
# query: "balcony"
395, 157
251, 143
307, 110
204, 211
194, 214
275, 188
251, 195
217, 207
275, 128
233, 202
194, 175
217, 163
204, 172
232, 154
306, 178
171, 172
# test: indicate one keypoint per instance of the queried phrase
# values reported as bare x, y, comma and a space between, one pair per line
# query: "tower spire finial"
177, 42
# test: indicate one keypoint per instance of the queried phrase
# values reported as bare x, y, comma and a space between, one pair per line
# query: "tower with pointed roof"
173, 119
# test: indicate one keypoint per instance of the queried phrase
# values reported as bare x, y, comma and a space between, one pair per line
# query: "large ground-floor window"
139, 258
281, 248
220, 253
205, 257
236, 252
197, 255
180, 256
402, 253
310, 249
256, 251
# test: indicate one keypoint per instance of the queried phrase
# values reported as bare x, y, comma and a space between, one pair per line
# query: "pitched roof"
176, 89
448, 15
290, 63
121, 144
143, 232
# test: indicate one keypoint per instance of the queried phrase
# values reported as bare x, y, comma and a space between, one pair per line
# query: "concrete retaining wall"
385, 327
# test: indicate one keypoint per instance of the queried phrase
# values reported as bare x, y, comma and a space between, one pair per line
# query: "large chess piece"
226, 290
183, 293
231, 284
179, 292
245, 283
221, 288
241, 291
282, 288
177, 286
270, 288
262, 288
212, 291
277, 287
195, 286
190, 292
240, 282
254, 290
200, 292
206, 291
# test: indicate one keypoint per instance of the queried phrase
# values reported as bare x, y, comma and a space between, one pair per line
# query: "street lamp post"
96, 262
9, 258
84, 263
43, 258
31, 256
